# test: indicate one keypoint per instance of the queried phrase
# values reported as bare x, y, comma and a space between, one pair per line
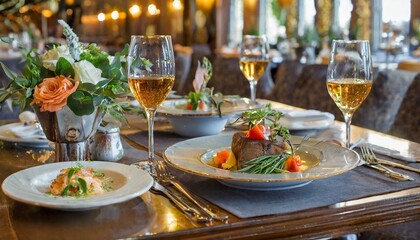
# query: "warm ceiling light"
177, 4
152, 9
24, 9
115, 15
135, 10
101, 17
69, 11
46, 13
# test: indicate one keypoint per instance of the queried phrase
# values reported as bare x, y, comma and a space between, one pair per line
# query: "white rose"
50, 58
85, 72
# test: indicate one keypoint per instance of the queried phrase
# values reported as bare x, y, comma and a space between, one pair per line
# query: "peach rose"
52, 93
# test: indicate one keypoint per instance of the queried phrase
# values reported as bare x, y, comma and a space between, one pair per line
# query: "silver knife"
398, 165
389, 172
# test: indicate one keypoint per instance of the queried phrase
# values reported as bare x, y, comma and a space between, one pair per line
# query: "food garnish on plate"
203, 98
79, 181
265, 148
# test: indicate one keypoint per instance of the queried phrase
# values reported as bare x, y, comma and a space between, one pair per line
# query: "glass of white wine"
151, 75
349, 77
253, 60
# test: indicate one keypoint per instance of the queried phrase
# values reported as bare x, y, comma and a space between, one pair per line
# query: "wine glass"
253, 60
349, 77
151, 75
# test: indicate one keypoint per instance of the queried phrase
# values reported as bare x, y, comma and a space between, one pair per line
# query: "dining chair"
407, 120
285, 79
228, 78
183, 58
380, 108
311, 90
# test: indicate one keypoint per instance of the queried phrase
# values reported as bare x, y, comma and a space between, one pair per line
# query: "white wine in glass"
151, 75
253, 60
349, 77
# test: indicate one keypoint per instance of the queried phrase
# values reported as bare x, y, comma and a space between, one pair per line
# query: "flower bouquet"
81, 77
70, 87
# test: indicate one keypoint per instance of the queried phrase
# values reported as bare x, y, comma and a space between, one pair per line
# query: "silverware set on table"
370, 159
166, 184
195, 207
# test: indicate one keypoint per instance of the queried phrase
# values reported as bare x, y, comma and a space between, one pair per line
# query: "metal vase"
69, 132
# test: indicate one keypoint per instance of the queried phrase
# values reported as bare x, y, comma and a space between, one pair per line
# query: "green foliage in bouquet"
99, 79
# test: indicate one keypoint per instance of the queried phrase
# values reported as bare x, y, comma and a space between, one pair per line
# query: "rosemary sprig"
268, 164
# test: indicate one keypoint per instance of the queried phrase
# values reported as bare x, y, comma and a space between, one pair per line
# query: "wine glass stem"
252, 86
347, 120
150, 113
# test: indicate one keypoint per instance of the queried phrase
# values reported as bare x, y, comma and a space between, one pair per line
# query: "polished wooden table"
153, 216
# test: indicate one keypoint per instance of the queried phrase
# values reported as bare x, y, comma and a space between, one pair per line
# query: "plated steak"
246, 149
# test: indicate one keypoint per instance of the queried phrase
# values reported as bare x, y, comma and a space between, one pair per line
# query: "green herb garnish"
83, 185
65, 191
269, 118
266, 164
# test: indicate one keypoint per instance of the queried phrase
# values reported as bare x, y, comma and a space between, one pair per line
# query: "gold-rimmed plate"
324, 160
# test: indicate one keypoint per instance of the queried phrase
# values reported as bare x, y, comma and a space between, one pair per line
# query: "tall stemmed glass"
349, 77
253, 60
151, 75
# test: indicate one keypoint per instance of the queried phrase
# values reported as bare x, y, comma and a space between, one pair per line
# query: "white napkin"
306, 115
28, 127
306, 119
393, 153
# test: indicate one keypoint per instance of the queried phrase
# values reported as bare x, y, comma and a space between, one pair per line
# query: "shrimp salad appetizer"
79, 181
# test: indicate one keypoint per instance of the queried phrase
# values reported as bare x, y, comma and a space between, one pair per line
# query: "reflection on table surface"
153, 216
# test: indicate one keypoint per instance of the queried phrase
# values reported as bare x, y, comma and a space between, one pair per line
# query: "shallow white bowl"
197, 123
197, 126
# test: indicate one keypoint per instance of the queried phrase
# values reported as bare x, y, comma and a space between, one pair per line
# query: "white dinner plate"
7, 135
31, 185
191, 155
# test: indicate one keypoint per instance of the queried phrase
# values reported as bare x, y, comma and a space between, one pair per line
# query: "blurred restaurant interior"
299, 33
218, 23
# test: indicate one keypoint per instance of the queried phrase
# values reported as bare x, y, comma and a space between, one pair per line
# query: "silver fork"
370, 161
390, 163
166, 177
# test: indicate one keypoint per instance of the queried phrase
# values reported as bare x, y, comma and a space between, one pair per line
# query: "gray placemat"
357, 183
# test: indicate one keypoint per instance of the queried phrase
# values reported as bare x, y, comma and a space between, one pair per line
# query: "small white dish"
35, 141
31, 185
191, 155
